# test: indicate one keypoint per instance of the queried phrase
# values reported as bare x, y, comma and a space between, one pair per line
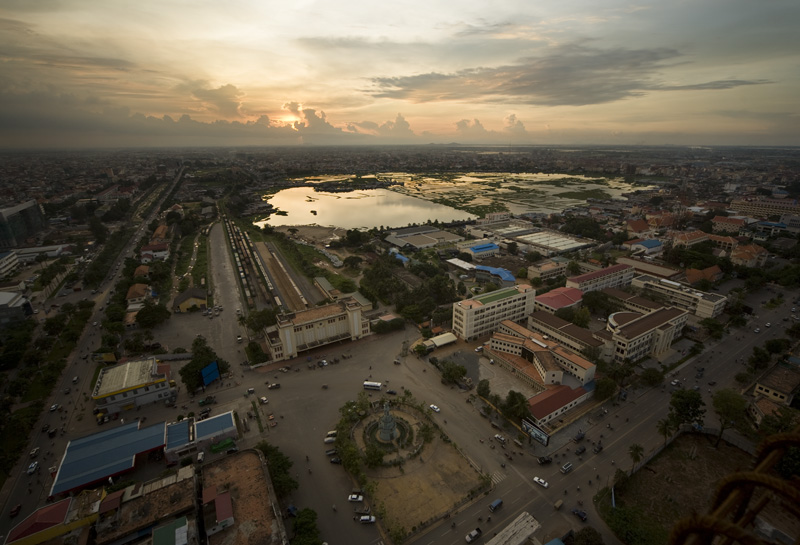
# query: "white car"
768, 324
757, 330
435, 409
53, 407
366, 519
473, 535
541, 482
355, 497
33, 467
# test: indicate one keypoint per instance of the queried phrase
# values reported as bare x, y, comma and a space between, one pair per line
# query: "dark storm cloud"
573, 75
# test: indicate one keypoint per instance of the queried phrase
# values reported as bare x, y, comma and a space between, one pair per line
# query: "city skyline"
79, 73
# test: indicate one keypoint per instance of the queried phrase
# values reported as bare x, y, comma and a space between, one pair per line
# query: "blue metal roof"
485, 247
101, 455
649, 243
216, 425
502, 273
177, 434
772, 224
401, 257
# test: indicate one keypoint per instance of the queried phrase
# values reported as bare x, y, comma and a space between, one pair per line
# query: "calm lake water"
357, 209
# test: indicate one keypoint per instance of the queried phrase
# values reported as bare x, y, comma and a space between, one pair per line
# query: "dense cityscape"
539, 339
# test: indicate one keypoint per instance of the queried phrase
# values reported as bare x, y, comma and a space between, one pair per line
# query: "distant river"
357, 209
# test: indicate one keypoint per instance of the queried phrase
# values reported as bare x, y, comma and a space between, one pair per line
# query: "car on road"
580, 450
263, 400
15, 510
768, 324
541, 482
274, 386
66, 391
435, 409
391, 392
500, 439
757, 330
544, 460
94, 324
336, 460
712, 383
479, 349
33, 467
473, 535
54, 407
675, 382
367, 519
238, 338
580, 514
355, 497
598, 449
35, 452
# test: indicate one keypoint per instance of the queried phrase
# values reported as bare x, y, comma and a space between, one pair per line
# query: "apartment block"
614, 276
480, 315
701, 304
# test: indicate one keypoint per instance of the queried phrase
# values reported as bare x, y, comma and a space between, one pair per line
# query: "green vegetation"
279, 466
202, 355
585, 194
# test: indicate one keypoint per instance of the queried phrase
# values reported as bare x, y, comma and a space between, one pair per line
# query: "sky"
111, 73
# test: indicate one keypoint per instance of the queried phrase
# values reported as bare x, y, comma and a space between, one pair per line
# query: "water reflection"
357, 209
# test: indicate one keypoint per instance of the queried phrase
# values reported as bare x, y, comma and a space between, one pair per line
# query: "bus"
372, 385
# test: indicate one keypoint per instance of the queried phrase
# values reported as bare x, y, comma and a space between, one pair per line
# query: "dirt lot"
683, 480
427, 487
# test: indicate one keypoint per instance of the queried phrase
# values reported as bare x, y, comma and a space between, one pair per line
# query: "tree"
573, 268
533, 257
777, 346
483, 389
152, 315
652, 377
352, 262
665, 428
452, 372
782, 421
588, 536
731, 409
373, 455
516, 406
605, 388
306, 531
278, 465
635, 451
686, 407
512, 248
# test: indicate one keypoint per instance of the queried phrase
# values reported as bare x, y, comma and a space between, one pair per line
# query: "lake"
357, 209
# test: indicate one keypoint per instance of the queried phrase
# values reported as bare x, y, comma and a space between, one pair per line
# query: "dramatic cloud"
574, 75
226, 100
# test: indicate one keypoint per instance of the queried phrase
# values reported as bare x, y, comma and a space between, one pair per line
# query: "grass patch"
200, 269
185, 253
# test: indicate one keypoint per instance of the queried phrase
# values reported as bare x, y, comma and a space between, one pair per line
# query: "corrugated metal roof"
101, 455
216, 425
177, 434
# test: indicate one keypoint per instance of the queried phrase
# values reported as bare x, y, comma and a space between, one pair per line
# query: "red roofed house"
712, 274
557, 299
50, 522
152, 252
554, 402
751, 255
638, 229
222, 516
688, 239
724, 224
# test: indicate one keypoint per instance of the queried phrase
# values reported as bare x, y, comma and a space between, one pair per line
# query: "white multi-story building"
549, 269
700, 303
479, 316
614, 276
132, 384
636, 335
306, 329
9, 263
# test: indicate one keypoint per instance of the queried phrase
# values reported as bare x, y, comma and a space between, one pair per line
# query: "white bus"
372, 385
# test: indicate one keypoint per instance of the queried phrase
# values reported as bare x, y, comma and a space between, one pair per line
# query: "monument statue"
387, 427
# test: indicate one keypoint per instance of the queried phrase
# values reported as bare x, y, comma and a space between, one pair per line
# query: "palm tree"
665, 428
635, 451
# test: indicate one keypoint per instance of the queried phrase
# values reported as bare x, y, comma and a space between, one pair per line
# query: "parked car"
580, 450
391, 392
544, 460
336, 460
435, 409
263, 400
598, 449
367, 519
15, 510
274, 386
355, 497
331, 452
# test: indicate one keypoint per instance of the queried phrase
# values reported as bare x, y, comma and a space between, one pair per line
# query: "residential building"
647, 247
780, 384
142, 271
549, 268
614, 276
129, 385
480, 315
712, 274
14, 307
646, 266
723, 224
137, 294
630, 301
191, 298
557, 299
749, 255
9, 263
20, 222
764, 208
154, 252
723, 242
701, 304
636, 336
304, 330
568, 334
688, 239
638, 228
